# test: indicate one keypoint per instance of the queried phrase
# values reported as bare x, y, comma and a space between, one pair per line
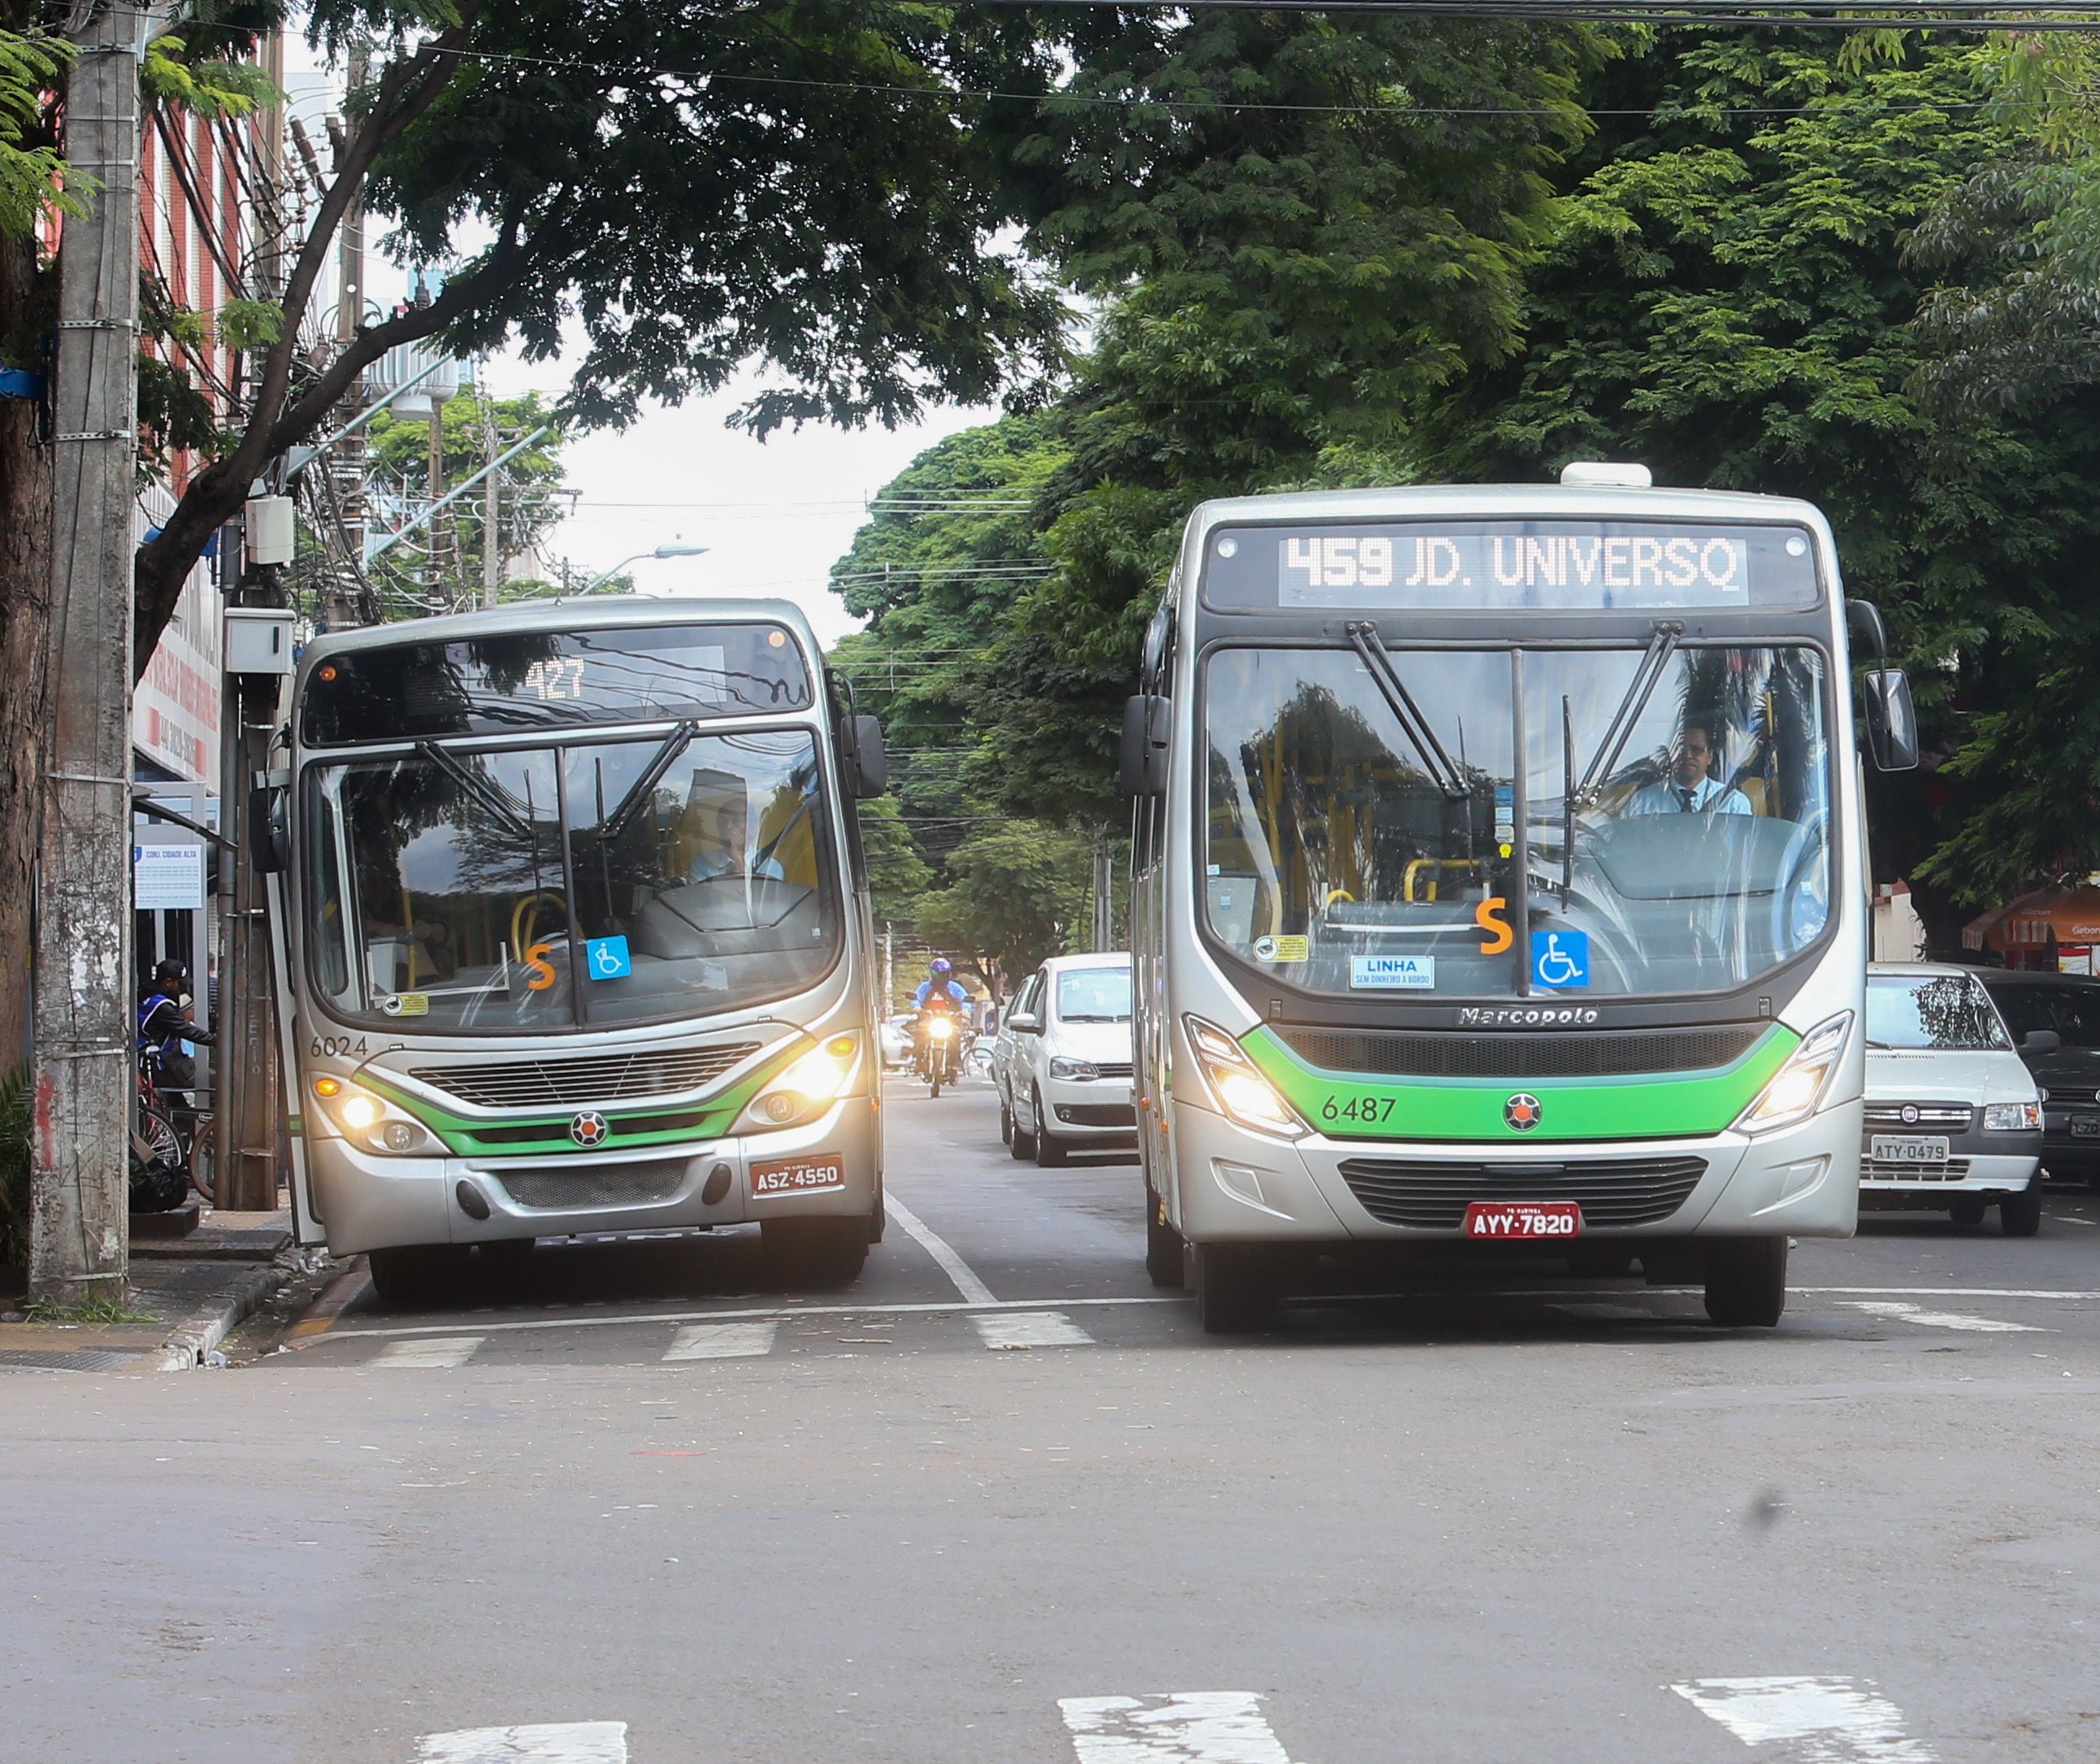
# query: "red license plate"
1514, 1219
798, 1175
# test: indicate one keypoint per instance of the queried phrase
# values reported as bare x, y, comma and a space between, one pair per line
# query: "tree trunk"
25, 537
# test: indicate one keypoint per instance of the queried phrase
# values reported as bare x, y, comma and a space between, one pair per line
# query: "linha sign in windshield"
1496, 566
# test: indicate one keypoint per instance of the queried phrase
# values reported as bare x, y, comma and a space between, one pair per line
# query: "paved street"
1000, 1501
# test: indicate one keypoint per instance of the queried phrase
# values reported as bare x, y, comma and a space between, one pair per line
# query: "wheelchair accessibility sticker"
608, 959
1560, 958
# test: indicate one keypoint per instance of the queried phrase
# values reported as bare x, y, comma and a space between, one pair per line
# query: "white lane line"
432, 1350
1941, 1319
565, 1742
722, 1341
1830, 1721
1030, 1328
1953, 1292
973, 1289
1181, 1727
618, 1319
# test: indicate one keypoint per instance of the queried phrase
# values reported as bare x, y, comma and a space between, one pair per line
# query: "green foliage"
103, 1311
33, 177
1019, 892
250, 324
897, 875
14, 1167
206, 82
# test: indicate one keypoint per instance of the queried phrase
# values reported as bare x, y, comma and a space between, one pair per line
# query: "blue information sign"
1559, 958
608, 959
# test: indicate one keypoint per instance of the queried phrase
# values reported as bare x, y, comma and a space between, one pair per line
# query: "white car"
894, 1033
1068, 1078
1953, 1118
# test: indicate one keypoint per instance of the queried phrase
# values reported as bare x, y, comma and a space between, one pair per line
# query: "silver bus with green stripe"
572, 936
1500, 886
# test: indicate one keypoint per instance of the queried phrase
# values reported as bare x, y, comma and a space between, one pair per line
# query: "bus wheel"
416, 1276
2020, 1215
1746, 1281
1162, 1244
1235, 1288
815, 1252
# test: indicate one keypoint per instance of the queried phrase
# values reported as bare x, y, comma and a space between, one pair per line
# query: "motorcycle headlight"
940, 1028
1245, 1095
809, 1086
371, 1121
1794, 1092
2012, 1117
1084, 1070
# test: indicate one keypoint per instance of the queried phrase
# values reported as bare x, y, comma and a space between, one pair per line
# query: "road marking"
1837, 1720
1599, 1313
1786, 1395
432, 1350
563, 1742
723, 1341
1182, 1727
617, 1319
1941, 1319
973, 1289
1030, 1328
1954, 1292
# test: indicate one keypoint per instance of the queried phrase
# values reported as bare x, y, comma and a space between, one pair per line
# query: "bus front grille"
594, 1078
619, 1185
1434, 1195
1590, 1054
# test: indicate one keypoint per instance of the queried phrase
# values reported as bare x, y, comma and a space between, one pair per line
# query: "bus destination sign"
1510, 566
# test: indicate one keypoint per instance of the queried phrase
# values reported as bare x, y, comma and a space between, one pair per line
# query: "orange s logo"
1488, 916
541, 972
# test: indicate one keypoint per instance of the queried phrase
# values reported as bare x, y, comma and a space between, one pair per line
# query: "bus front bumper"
1239, 1186
828, 1168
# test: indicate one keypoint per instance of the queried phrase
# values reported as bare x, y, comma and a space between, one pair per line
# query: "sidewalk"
187, 1292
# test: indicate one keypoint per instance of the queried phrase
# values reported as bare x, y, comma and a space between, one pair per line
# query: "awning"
2033, 921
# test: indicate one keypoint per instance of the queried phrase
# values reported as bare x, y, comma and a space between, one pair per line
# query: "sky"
776, 515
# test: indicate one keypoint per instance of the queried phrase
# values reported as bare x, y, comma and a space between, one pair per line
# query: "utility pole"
80, 1228
1103, 891
345, 463
492, 534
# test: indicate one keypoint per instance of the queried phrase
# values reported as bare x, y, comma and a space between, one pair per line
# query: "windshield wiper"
1646, 677
630, 805
476, 786
1364, 640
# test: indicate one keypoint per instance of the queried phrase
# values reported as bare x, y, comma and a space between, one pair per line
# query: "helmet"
941, 965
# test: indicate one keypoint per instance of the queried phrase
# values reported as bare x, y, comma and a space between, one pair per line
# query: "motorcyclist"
939, 994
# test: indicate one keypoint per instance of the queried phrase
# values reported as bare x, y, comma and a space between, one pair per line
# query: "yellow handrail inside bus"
1407, 876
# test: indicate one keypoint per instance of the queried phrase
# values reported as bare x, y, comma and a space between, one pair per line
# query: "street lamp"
676, 548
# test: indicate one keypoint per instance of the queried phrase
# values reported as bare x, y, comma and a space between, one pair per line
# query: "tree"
897, 875
1017, 895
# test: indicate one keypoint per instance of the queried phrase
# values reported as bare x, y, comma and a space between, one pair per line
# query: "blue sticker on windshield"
1412, 974
1560, 958
608, 959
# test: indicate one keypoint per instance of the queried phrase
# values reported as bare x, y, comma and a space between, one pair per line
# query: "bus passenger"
1690, 788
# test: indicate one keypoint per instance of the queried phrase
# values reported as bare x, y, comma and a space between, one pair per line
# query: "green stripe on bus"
463, 1137
1368, 1106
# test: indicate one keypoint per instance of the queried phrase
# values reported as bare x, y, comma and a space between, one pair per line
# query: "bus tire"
815, 1252
416, 1276
1746, 1281
1162, 1244
1235, 1288
2020, 1215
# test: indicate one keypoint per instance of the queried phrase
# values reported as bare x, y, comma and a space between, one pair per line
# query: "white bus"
1501, 885
574, 936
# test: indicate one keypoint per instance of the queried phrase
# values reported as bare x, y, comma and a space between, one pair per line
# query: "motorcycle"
940, 1049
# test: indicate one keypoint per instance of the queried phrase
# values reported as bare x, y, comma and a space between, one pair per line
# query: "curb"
204, 1328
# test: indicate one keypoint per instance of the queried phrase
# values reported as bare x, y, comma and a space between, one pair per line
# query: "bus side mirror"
1892, 720
269, 839
867, 761
1145, 725
1869, 636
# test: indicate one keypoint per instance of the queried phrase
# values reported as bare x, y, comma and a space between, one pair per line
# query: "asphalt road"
1001, 1501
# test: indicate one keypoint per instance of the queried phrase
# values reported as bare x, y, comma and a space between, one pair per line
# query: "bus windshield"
1697, 858
610, 882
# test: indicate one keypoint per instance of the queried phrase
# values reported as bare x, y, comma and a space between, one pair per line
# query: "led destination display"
1510, 565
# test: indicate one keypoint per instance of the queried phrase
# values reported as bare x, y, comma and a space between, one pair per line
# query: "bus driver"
1690, 788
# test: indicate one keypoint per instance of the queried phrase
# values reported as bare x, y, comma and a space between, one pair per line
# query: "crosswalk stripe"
1030, 1328
1941, 1319
1842, 1720
722, 1341
1181, 1728
564, 1742
430, 1350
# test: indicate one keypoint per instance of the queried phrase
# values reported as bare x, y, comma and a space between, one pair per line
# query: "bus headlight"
1796, 1090
1242, 1093
371, 1121
805, 1090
